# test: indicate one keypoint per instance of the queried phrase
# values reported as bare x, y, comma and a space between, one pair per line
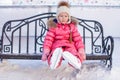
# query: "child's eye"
61, 16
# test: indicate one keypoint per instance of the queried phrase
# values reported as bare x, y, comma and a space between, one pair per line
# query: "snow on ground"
38, 70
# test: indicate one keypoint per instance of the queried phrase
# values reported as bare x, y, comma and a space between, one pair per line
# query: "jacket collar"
52, 22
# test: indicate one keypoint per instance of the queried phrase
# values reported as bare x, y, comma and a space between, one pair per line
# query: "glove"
82, 53
45, 54
44, 57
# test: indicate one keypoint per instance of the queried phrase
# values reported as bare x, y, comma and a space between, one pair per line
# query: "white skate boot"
55, 59
74, 61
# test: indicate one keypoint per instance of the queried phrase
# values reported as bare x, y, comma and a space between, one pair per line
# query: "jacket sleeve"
77, 38
48, 41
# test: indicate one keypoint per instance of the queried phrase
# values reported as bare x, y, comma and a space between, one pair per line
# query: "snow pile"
37, 70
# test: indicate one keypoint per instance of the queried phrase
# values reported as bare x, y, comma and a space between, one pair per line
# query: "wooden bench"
23, 39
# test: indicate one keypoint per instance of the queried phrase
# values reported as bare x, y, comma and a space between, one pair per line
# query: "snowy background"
109, 17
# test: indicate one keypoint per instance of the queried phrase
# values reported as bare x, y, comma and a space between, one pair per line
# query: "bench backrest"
26, 36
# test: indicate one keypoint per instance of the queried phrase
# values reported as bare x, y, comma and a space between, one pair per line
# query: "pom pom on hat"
63, 7
63, 3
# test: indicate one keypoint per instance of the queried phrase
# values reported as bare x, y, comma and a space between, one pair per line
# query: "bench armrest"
108, 45
0, 46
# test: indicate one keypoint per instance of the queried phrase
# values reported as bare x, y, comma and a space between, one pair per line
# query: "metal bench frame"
102, 50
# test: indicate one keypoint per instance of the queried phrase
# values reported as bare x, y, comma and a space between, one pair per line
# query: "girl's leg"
56, 58
74, 61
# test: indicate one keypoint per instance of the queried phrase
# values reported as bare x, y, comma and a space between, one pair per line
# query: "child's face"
63, 17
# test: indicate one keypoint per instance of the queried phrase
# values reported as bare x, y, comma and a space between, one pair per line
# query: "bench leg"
1, 59
108, 63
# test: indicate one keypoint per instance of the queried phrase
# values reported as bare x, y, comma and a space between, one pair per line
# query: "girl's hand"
44, 57
45, 54
82, 53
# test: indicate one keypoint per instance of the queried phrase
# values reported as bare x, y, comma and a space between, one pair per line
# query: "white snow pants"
70, 58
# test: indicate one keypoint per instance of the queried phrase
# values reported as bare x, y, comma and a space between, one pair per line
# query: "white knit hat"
63, 7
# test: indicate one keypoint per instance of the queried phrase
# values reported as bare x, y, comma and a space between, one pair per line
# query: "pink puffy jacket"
59, 35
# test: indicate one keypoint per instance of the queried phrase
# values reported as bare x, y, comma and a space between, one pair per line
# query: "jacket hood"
53, 21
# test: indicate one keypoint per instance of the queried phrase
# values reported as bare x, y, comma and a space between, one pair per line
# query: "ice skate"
75, 62
56, 57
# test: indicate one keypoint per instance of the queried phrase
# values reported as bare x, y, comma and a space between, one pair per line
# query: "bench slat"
88, 57
97, 57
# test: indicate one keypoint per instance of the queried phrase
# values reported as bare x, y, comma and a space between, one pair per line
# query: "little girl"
63, 40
